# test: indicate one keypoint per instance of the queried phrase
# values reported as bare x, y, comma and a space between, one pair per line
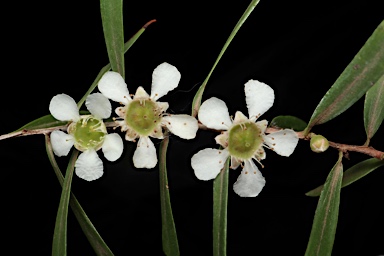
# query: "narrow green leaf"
97, 243
325, 221
288, 122
199, 94
169, 236
360, 75
374, 108
112, 19
47, 121
107, 67
353, 174
59, 245
220, 204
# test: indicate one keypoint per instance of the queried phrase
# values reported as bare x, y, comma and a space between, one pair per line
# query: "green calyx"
244, 139
143, 116
89, 133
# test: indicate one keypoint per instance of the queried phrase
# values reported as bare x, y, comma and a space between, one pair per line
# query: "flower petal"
113, 86
282, 142
250, 181
98, 105
61, 143
89, 166
145, 154
112, 146
259, 98
184, 126
165, 78
64, 108
213, 113
207, 163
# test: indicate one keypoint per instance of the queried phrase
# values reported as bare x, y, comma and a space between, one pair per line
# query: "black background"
299, 48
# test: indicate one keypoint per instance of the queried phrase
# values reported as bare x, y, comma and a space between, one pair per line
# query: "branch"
345, 148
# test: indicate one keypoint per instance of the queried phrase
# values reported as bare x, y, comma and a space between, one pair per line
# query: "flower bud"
319, 144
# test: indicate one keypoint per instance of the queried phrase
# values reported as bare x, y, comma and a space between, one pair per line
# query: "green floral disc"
244, 140
89, 132
142, 116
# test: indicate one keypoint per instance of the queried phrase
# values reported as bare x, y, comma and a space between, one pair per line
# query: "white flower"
143, 116
242, 139
87, 133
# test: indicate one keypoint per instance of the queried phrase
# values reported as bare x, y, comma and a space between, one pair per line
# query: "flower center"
244, 140
143, 116
89, 132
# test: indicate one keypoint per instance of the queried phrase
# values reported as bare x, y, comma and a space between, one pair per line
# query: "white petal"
184, 126
145, 154
207, 163
89, 166
64, 108
61, 143
113, 87
112, 147
250, 181
259, 98
213, 113
282, 142
165, 78
99, 105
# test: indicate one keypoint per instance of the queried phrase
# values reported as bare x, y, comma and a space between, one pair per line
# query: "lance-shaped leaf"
59, 245
169, 236
220, 204
353, 174
97, 243
112, 19
47, 121
325, 221
199, 94
360, 75
41, 125
374, 108
288, 122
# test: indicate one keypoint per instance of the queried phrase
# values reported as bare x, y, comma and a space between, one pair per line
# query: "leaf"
199, 94
47, 121
220, 204
288, 122
374, 108
107, 67
169, 236
325, 221
112, 19
97, 243
353, 174
59, 245
360, 75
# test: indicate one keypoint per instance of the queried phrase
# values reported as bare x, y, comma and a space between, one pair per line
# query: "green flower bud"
143, 116
319, 143
244, 139
89, 133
